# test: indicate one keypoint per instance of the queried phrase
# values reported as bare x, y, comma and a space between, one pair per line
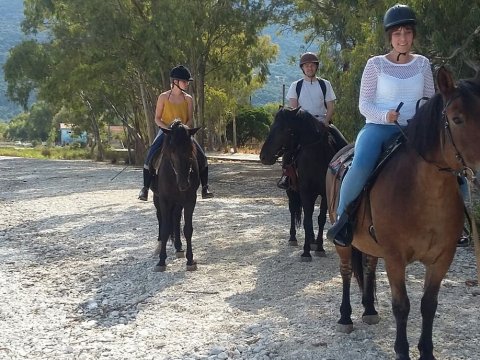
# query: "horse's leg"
188, 231
308, 205
165, 231
322, 219
177, 216
159, 219
400, 305
294, 207
433, 278
370, 315
345, 324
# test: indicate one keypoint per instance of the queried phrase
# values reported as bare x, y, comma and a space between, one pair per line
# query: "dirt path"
76, 279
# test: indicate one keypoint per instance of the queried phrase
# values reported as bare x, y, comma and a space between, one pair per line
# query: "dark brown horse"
177, 184
414, 211
296, 129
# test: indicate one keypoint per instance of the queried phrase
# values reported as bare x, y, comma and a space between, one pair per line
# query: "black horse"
315, 144
177, 183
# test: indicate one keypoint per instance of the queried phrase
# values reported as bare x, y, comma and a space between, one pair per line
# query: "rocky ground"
76, 279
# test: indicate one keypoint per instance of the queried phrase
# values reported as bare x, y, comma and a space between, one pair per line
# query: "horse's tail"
360, 261
357, 267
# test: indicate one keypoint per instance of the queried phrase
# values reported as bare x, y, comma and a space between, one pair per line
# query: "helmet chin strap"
398, 57
174, 84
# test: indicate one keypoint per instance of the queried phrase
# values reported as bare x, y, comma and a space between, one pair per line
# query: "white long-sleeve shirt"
385, 84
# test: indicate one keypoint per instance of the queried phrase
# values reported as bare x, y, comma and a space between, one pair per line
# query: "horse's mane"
426, 128
179, 138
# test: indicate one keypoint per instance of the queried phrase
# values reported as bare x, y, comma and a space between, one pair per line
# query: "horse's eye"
457, 120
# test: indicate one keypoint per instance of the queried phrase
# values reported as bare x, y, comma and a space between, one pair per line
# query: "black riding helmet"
399, 15
180, 72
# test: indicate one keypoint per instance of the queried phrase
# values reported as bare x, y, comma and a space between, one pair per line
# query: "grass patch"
60, 153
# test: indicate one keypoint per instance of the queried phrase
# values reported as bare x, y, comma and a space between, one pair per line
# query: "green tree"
110, 59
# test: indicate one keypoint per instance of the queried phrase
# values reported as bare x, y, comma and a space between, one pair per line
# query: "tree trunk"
147, 112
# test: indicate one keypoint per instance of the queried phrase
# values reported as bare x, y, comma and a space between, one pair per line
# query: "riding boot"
341, 233
284, 182
206, 194
147, 179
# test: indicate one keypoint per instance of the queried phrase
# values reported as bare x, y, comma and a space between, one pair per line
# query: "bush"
252, 123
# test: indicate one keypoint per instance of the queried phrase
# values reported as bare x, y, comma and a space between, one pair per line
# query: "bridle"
466, 170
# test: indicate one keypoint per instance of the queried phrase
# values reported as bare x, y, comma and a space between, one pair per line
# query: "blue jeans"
156, 144
368, 147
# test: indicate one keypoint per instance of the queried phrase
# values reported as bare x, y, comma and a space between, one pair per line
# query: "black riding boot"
147, 179
341, 233
204, 181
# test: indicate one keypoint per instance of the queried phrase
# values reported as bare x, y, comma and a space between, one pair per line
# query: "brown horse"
414, 211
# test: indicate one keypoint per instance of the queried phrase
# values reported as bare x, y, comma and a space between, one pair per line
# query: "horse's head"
181, 152
461, 115
281, 136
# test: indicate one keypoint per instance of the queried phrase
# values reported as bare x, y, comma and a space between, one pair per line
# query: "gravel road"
77, 280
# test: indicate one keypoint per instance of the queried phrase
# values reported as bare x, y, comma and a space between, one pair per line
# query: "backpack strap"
323, 86
324, 90
298, 88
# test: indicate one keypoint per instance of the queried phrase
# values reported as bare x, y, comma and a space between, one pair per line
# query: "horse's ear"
165, 130
445, 82
193, 131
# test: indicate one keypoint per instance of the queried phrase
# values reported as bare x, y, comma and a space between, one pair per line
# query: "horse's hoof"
180, 254
192, 267
313, 247
160, 268
371, 319
320, 253
292, 243
345, 329
306, 259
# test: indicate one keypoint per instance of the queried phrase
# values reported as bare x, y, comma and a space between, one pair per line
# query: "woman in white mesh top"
387, 80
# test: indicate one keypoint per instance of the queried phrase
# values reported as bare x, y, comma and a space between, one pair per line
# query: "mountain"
10, 35
283, 71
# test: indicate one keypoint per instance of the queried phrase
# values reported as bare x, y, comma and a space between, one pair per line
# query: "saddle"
341, 163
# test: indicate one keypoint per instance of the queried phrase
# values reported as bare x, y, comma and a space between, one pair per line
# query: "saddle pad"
340, 165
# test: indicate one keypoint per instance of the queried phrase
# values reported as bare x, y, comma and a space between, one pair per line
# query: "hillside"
281, 72
10, 34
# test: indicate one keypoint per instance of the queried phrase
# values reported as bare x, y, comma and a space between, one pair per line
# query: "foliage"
33, 125
107, 61
251, 123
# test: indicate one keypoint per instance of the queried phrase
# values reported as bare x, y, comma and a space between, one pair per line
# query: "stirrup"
341, 233
284, 182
